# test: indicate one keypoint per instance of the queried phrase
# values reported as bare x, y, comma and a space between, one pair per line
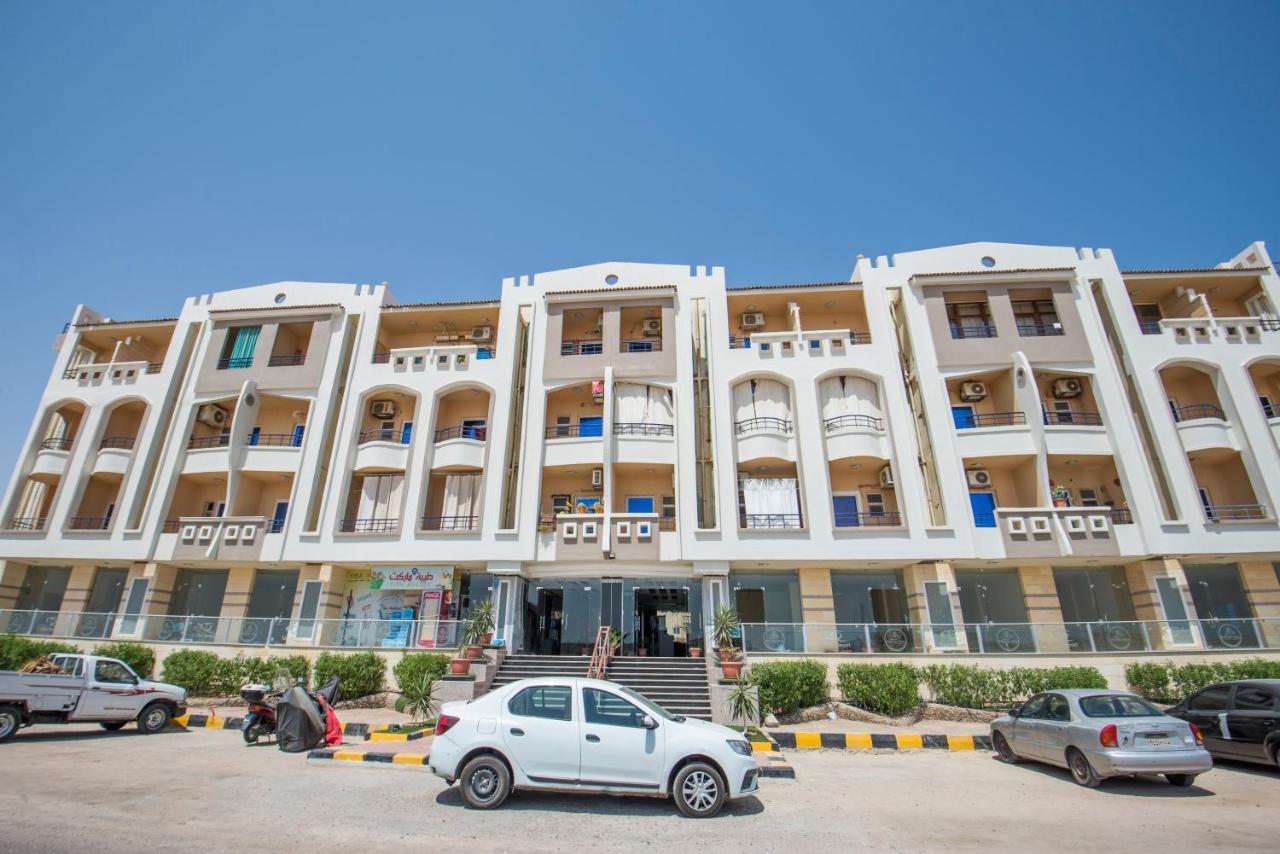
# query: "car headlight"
739, 746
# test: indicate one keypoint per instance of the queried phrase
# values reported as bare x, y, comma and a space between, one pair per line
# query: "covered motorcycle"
302, 718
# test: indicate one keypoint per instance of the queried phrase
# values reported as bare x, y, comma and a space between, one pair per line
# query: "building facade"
981, 450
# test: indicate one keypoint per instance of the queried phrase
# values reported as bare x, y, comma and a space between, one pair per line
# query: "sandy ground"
79, 788
923, 727
360, 716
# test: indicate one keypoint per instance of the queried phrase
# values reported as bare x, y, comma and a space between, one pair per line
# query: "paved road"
75, 789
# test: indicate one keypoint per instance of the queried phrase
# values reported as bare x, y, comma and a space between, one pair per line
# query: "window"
113, 672
237, 352
561, 504
1252, 699
1058, 709
564, 425
1118, 706
875, 503
308, 609
1088, 498
601, 707
69, 666
639, 503
1037, 707
970, 320
1269, 409
1036, 317
1210, 699
668, 507
544, 701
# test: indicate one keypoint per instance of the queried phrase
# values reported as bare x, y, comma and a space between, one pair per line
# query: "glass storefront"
664, 618
36, 610
656, 616
103, 603
396, 607
561, 615
995, 613
768, 606
194, 606
1098, 610
871, 612
1226, 618
270, 606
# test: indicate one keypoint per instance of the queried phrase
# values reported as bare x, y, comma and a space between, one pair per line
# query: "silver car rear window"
1118, 706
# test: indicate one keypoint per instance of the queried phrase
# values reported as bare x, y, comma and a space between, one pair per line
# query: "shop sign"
402, 578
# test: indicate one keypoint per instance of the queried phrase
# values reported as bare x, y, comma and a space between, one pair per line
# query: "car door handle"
517, 731
593, 738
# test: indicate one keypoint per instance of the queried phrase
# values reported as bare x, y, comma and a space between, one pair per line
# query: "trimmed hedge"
974, 687
16, 651
410, 669
193, 669
789, 685
359, 674
888, 689
140, 657
1169, 682
204, 674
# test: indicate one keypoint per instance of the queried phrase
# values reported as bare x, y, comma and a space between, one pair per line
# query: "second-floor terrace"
813, 320
413, 338
1191, 391
1202, 306
118, 353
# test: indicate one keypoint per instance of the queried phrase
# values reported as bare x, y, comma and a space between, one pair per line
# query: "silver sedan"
1099, 734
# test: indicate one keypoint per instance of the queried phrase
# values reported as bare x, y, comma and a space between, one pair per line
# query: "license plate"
1158, 740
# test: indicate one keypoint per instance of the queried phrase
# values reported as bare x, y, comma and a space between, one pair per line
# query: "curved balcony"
574, 444
382, 456
765, 437
1202, 426
50, 461
855, 435
459, 446
644, 442
114, 455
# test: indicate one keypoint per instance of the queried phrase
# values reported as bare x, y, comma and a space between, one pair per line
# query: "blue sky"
150, 151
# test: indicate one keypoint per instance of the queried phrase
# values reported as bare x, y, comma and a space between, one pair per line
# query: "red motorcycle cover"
332, 726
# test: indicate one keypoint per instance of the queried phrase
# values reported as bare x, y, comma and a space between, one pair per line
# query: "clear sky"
150, 151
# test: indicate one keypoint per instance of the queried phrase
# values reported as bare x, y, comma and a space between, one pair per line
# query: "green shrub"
1149, 679
410, 669
789, 685
204, 674
1255, 668
1189, 678
198, 671
978, 688
359, 674
890, 689
140, 657
16, 651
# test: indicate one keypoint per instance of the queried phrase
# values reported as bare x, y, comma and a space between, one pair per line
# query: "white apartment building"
982, 450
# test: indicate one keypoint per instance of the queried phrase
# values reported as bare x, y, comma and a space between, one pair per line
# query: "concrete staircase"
679, 685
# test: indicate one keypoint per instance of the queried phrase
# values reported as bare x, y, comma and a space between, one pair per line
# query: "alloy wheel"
700, 790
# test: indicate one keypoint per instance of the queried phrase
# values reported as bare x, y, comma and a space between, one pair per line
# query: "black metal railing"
1198, 410
70, 373
642, 428
593, 347
450, 523
969, 420
1234, 512
381, 358
276, 440
61, 443
771, 520
859, 337
89, 523
384, 434
739, 342
27, 523
762, 422
1089, 419
1269, 324
463, 431
153, 367
1150, 327
1121, 516
170, 526
982, 330
641, 345
1036, 330
235, 362
284, 360
859, 520
122, 442
369, 526
590, 430
841, 422
274, 526
219, 441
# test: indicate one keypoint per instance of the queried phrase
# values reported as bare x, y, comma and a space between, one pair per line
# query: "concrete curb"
370, 732
404, 760
879, 741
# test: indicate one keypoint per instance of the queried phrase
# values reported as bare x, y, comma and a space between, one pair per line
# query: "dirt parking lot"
79, 789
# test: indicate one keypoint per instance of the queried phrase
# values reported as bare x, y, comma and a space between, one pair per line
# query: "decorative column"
79, 585
818, 610
1261, 581
1161, 633
1044, 611
927, 639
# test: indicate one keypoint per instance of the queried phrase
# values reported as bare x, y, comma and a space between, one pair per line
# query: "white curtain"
768, 498
32, 500
772, 400
631, 400
831, 393
744, 407
661, 407
849, 395
380, 496
461, 494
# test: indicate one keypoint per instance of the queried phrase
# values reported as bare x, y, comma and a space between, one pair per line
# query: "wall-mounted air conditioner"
213, 415
1067, 387
973, 391
886, 477
752, 319
383, 409
980, 478
652, 327
481, 334
597, 477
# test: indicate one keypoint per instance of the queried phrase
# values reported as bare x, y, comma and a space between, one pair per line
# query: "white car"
587, 735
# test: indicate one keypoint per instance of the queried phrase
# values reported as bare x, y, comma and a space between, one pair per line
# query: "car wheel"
1081, 771
699, 790
1004, 751
485, 782
1182, 781
153, 719
113, 726
10, 720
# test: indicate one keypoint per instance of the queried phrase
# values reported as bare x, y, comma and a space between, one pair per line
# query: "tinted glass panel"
543, 701
1210, 699
1058, 709
1035, 707
1249, 699
112, 671
601, 707
1118, 707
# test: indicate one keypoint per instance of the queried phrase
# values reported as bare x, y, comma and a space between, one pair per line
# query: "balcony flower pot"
460, 666
1061, 502
486, 639
732, 669
472, 651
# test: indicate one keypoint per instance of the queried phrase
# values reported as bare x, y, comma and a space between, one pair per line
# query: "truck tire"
112, 726
10, 721
154, 719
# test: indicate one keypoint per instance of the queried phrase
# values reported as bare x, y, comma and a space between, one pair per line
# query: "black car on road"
1239, 720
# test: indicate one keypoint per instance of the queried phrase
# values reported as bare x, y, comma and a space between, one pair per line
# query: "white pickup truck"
89, 690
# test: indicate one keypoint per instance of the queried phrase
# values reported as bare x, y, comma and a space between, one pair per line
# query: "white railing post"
866, 637
1093, 645
982, 647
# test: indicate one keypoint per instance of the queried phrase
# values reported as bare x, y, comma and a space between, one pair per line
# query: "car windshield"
646, 703
1118, 706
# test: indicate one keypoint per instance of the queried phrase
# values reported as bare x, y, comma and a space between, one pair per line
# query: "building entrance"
655, 617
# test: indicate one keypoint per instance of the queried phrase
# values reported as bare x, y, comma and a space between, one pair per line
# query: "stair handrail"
599, 654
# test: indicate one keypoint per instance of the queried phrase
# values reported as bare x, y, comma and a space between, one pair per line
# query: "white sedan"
587, 735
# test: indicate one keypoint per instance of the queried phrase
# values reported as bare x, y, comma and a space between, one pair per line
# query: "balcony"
235, 363
62, 443
1236, 513
369, 526
643, 428
287, 360
1072, 419
51, 460
1198, 410
196, 443
450, 523
27, 523
89, 523
1038, 330
975, 330
976, 420
765, 437
771, 521
396, 435
462, 431
868, 520
460, 446
1203, 426
588, 347
637, 345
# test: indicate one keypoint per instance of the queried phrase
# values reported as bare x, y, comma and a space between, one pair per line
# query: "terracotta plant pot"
487, 639
1060, 502
472, 651
696, 652
732, 669
460, 666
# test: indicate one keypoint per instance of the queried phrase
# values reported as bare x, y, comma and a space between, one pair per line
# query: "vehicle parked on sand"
1239, 720
1099, 734
90, 689
587, 735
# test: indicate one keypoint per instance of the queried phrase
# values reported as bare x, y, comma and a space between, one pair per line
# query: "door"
845, 510
1207, 709
962, 416
591, 425
662, 622
1027, 738
541, 735
984, 509
298, 431
110, 694
36, 610
473, 428
278, 517
546, 623
270, 603
941, 631
616, 748
255, 436
104, 602
1053, 729
1253, 717
406, 432
749, 605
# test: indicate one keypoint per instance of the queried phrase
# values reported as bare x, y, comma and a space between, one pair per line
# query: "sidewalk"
921, 727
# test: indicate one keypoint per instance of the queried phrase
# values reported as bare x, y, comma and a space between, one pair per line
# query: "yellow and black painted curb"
879, 741
775, 765
370, 732
411, 760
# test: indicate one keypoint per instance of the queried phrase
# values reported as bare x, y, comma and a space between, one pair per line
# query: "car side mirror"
1015, 711
649, 723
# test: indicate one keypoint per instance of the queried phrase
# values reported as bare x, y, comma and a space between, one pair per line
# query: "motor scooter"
260, 717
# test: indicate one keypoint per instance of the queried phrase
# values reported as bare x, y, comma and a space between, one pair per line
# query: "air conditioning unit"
886, 477
752, 319
481, 334
653, 327
213, 415
1067, 387
597, 477
980, 478
383, 409
973, 391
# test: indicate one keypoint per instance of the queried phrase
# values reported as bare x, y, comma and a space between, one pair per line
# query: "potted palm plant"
743, 702
725, 628
482, 616
472, 647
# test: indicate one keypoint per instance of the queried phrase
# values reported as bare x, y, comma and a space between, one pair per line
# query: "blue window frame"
591, 425
962, 416
984, 509
640, 504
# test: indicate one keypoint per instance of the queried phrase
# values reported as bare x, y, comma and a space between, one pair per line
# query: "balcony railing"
641, 345
642, 428
859, 520
284, 360
980, 330
60, 443
773, 521
971, 420
763, 422
369, 526
170, 526
1036, 330
275, 440
385, 434
124, 443
89, 523
27, 523
235, 362
666, 523
590, 430
1088, 419
1198, 410
842, 422
1269, 324
1121, 516
1234, 512
274, 526
463, 431
450, 523
154, 367
381, 358
593, 347
739, 342
219, 441
1150, 327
